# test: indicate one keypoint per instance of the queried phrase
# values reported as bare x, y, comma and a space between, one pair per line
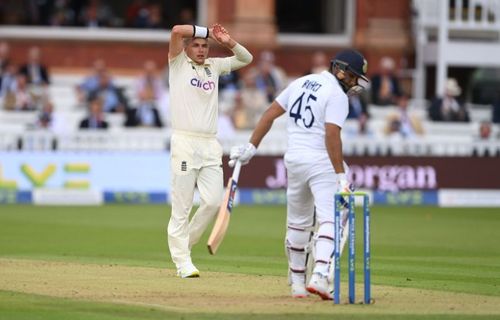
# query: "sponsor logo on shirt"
205, 85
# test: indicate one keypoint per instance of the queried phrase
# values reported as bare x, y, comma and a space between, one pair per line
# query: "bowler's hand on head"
220, 34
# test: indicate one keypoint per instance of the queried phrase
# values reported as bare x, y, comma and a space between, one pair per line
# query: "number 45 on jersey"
306, 115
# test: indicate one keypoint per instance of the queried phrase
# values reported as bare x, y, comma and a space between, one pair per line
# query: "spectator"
38, 12
485, 131
155, 17
319, 63
112, 98
91, 82
48, 119
96, 14
363, 127
95, 119
8, 79
37, 76
403, 122
186, 16
146, 114
76, 6
62, 14
36, 73
20, 98
134, 11
229, 95
45, 117
250, 103
385, 86
149, 17
357, 107
230, 81
149, 81
145, 16
4, 56
448, 108
271, 78
496, 111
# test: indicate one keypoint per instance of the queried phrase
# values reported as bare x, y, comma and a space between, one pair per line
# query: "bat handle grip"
236, 171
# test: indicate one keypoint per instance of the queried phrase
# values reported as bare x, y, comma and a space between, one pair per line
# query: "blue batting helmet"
354, 62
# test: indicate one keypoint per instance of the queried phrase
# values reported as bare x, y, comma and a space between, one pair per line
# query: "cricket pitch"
218, 292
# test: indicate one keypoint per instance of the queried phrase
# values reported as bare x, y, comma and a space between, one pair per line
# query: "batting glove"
342, 183
241, 153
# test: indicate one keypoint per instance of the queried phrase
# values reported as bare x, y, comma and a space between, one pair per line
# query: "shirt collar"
329, 75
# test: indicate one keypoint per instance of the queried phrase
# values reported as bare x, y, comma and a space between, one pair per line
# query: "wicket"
352, 250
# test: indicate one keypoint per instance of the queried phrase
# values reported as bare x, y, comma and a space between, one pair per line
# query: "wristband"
200, 32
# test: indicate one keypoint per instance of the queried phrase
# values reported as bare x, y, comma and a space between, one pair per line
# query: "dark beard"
344, 86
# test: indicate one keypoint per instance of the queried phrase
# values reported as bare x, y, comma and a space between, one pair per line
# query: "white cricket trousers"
312, 184
196, 161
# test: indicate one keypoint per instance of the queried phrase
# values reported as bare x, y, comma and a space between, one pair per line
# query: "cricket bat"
222, 222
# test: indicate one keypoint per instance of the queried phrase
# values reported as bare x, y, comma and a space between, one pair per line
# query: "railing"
482, 15
454, 33
274, 143
84, 34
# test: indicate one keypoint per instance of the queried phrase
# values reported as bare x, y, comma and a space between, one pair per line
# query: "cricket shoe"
320, 285
188, 271
299, 290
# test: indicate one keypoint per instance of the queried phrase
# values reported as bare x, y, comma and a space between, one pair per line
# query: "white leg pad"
324, 245
297, 240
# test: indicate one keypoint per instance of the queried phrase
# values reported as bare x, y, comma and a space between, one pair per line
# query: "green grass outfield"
112, 262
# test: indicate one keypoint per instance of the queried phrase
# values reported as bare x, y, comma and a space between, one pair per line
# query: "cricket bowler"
196, 155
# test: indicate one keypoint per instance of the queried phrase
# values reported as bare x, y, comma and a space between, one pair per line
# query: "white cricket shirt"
310, 102
194, 93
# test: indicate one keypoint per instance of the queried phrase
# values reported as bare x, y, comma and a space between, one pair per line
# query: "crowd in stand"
25, 88
22, 87
244, 96
150, 14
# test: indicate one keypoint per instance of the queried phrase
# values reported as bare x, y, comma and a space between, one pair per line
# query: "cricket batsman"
316, 107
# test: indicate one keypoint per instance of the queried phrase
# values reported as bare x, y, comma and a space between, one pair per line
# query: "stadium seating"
439, 139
